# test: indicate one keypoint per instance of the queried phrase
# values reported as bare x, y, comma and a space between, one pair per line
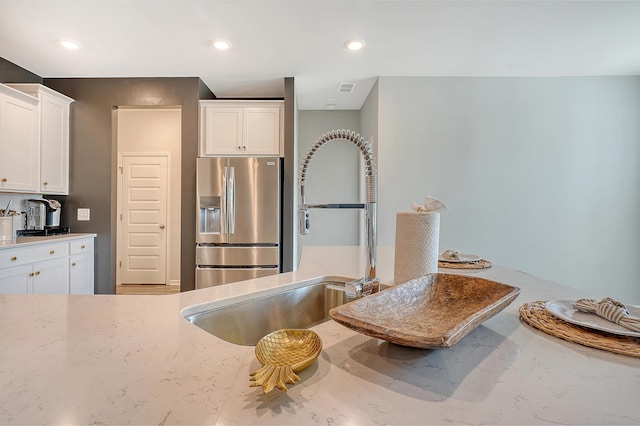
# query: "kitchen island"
135, 360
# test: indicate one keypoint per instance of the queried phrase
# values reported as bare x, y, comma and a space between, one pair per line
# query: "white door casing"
142, 230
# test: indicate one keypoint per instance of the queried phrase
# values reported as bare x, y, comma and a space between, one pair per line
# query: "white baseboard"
174, 282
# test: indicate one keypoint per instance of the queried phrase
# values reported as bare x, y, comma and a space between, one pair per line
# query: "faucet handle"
303, 221
351, 288
357, 288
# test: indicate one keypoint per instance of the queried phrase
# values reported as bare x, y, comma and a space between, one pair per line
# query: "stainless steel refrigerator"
238, 219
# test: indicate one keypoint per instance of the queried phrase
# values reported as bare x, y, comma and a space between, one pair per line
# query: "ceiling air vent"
346, 87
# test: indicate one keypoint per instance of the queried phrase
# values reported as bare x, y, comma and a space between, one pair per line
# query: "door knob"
161, 226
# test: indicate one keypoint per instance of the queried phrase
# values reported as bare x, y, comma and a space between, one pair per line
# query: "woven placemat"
480, 264
534, 314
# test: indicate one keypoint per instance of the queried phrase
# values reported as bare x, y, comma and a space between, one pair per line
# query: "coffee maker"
36, 214
43, 214
53, 213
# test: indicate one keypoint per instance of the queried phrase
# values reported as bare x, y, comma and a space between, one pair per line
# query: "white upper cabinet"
19, 141
54, 138
240, 128
221, 131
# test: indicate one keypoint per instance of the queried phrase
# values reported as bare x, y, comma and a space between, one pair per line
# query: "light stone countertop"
134, 360
27, 241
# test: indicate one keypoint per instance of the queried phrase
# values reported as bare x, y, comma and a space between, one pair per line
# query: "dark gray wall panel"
93, 159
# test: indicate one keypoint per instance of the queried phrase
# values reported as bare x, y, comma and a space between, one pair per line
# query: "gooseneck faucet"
369, 283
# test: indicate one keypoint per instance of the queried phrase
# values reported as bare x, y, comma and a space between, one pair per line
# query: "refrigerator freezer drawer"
209, 277
237, 256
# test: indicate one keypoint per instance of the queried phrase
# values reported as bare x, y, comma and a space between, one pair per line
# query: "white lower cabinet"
81, 266
51, 277
48, 277
16, 280
54, 268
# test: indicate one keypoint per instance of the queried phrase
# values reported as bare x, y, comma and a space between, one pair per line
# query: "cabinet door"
81, 274
54, 146
16, 280
261, 131
222, 131
51, 276
19, 145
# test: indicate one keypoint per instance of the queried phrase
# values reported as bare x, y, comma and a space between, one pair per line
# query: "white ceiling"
304, 39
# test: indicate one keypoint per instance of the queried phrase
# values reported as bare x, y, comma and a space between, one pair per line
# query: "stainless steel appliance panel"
209, 277
211, 196
238, 200
254, 200
237, 256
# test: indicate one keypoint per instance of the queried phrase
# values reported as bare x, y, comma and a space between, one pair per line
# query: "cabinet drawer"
24, 256
81, 246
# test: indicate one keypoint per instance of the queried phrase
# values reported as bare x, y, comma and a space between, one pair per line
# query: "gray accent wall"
540, 174
93, 159
12, 73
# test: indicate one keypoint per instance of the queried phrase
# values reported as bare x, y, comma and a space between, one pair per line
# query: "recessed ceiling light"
69, 44
221, 44
354, 44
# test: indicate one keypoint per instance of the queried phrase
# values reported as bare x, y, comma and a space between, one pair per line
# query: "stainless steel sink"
246, 322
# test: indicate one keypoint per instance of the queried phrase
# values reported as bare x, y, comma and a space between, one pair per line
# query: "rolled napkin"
430, 205
611, 310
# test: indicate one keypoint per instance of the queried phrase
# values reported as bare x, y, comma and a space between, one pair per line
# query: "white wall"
158, 130
540, 174
369, 118
332, 177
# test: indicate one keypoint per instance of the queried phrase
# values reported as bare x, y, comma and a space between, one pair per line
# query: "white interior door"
143, 222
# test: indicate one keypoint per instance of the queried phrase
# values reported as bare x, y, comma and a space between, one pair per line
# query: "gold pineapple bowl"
282, 354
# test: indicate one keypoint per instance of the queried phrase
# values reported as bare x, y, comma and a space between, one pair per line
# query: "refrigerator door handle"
223, 205
232, 200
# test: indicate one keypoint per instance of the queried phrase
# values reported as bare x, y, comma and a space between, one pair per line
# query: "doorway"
148, 180
143, 217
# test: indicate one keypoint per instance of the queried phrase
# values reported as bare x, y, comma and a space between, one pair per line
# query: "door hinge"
120, 169
120, 264
120, 216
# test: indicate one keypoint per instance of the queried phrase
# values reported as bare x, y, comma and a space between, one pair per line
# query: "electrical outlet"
84, 214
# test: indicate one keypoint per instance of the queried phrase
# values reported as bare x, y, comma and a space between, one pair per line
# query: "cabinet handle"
45, 183
52, 252
4, 180
82, 246
14, 258
73, 264
239, 149
161, 226
31, 274
244, 148
37, 272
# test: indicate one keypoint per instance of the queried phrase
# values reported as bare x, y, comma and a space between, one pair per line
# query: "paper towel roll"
416, 251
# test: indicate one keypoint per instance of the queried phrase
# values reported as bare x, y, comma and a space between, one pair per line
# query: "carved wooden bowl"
433, 311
